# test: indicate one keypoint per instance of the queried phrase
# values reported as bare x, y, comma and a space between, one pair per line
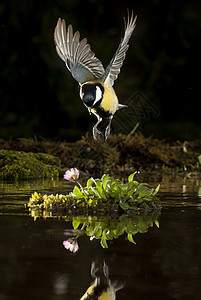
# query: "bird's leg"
93, 269
105, 269
107, 130
95, 129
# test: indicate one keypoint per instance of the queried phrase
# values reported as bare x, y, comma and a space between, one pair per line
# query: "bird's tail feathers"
120, 106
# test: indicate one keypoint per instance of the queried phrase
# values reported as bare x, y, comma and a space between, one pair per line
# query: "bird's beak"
89, 109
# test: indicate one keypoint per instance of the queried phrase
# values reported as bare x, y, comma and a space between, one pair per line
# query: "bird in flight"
95, 82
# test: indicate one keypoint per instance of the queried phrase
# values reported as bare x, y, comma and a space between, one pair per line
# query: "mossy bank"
22, 165
119, 156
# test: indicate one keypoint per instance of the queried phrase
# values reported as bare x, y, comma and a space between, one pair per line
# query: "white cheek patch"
81, 93
99, 94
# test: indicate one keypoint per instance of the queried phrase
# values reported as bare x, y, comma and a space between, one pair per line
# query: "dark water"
165, 263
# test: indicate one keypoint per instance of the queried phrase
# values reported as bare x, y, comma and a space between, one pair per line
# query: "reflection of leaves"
130, 238
105, 228
103, 240
157, 223
76, 223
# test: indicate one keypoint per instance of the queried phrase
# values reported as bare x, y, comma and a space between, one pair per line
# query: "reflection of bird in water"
102, 288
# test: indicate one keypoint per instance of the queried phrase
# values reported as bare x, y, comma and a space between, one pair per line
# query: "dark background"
39, 98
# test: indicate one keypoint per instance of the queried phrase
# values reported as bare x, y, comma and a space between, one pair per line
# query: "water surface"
165, 263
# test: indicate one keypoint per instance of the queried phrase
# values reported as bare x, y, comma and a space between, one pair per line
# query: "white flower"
71, 245
72, 174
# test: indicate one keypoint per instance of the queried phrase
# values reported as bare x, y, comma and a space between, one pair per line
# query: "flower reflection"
71, 245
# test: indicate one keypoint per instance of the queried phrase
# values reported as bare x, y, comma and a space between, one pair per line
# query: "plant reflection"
102, 287
104, 228
71, 245
108, 228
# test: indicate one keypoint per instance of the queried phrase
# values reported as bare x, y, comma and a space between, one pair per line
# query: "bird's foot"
107, 132
96, 132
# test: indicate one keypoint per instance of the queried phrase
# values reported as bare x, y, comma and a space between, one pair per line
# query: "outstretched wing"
77, 55
113, 69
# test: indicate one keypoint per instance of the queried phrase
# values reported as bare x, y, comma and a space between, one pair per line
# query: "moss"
119, 156
22, 165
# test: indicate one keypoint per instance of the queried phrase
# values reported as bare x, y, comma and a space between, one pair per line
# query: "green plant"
101, 193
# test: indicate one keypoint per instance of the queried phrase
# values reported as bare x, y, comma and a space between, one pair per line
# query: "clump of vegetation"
22, 165
101, 193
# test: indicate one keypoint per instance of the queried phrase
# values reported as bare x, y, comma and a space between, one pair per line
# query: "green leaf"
105, 180
156, 190
77, 192
104, 195
124, 205
130, 192
99, 187
114, 191
144, 192
89, 182
94, 232
103, 240
199, 159
130, 177
76, 223
130, 238
98, 183
98, 232
95, 192
157, 223
199, 192
133, 184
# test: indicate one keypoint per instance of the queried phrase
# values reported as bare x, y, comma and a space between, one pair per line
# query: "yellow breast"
89, 291
109, 295
110, 100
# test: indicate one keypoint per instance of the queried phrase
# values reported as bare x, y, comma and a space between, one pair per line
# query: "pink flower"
71, 245
72, 174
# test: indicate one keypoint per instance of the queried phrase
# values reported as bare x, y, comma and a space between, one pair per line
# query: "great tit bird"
102, 288
96, 83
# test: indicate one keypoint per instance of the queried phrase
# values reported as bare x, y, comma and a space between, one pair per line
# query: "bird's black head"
91, 94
